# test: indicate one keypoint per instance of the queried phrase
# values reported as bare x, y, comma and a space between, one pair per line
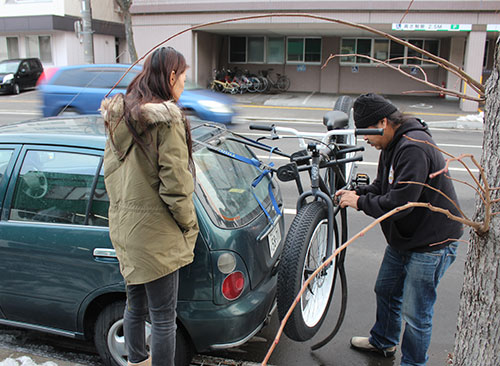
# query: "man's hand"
347, 198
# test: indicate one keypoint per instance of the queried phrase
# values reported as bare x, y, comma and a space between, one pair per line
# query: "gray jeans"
158, 299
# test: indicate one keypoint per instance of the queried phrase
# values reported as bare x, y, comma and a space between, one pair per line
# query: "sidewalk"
447, 112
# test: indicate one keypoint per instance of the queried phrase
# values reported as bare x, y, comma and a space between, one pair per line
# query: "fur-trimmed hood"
112, 111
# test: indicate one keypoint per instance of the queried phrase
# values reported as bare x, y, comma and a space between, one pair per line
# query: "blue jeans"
406, 290
158, 299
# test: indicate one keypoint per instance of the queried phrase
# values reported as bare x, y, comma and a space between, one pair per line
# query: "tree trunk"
129, 33
127, 20
477, 342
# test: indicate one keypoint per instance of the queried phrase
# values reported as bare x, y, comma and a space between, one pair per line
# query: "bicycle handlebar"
369, 131
261, 127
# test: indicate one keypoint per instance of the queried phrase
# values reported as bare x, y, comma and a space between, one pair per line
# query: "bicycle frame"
319, 190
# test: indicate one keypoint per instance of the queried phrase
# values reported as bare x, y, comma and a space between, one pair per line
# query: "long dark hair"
152, 85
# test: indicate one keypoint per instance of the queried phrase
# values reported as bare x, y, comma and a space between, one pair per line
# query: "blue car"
79, 89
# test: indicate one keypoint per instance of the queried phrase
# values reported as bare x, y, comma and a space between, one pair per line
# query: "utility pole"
87, 33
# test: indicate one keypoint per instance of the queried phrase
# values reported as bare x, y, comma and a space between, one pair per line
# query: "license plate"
274, 239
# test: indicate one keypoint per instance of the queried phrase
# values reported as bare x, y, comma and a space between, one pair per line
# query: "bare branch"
406, 12
445, 169
438, 191
470, 185
470, 80
407, 74
394, 211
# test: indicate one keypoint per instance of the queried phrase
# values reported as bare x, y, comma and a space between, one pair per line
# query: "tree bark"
129, 33
477, 342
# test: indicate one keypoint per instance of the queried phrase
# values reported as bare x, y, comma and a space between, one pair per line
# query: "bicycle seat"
335, 120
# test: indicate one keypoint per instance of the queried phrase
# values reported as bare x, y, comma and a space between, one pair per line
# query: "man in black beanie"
421, 243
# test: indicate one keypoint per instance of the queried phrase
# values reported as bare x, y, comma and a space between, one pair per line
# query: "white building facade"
462, 31
48, 29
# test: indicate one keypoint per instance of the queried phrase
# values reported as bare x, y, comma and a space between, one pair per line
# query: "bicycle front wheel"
304, 251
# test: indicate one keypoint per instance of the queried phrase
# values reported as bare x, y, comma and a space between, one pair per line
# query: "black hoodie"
417, 228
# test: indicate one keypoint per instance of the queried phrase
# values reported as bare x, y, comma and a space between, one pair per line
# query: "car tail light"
46, 75
233, 285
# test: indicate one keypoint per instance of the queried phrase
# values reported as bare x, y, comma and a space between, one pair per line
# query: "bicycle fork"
318, 194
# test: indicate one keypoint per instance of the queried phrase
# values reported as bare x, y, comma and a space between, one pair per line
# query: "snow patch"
472, 118
24, 361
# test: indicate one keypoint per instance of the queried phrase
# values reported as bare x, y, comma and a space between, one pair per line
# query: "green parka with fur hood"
152, 220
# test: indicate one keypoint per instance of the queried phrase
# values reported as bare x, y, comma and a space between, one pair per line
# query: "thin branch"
447, 240
469, 185
481, 170
407, 74
485, 189
438, 191
406, 12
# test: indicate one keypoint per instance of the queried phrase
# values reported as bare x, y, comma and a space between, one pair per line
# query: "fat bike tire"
304, 251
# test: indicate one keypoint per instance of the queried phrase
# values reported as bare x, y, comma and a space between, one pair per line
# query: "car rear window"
94, 77
224, 185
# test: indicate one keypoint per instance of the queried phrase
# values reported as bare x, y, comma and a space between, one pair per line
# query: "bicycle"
282, 82
314, 232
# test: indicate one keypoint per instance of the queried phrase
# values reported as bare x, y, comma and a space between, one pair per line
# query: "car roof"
97, 66
79, 131
86, 131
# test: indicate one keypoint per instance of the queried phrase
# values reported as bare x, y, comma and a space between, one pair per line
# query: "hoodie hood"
112, 111
410, 125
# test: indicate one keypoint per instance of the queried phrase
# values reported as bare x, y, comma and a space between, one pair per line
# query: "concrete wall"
150, 31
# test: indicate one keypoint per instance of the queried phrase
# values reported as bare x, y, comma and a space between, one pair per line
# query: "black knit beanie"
371, 108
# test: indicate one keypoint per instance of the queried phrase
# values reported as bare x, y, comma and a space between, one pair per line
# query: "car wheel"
69, 111
110, 341
15, 89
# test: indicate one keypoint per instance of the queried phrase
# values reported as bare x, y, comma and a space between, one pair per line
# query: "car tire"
70, 111
15, 89
110, 342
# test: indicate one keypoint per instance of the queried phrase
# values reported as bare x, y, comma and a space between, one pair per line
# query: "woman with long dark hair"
148, 172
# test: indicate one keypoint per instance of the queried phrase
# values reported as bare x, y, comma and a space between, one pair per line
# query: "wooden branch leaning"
480, 227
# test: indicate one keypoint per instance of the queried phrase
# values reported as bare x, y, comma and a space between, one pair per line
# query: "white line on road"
20, 112
308, 97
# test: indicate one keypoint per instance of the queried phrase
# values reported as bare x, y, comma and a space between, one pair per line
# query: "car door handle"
104, 253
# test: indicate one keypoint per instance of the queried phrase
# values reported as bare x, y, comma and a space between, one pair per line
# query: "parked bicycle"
282, 82
314, 233
328, 158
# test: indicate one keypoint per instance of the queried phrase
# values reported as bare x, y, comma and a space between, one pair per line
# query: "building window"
39, 46
303, 50
9, 48
255, 49
246, 49
275, 50
383, 49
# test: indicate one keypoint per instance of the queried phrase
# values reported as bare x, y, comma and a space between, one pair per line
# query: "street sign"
431, 27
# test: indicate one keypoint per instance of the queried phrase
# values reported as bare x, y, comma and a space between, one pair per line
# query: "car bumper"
5, 88
224, 326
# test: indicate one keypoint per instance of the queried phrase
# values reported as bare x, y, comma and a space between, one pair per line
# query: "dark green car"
59, 270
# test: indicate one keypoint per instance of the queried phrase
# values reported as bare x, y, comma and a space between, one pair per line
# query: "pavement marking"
306, 99
21, 112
